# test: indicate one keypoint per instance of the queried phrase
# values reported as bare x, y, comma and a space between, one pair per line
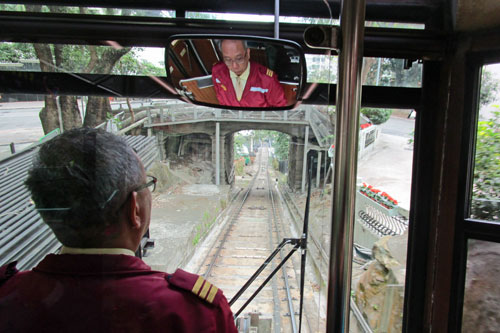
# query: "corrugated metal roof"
23, 235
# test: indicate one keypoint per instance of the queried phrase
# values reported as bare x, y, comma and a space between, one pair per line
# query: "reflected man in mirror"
91, 189
238, 81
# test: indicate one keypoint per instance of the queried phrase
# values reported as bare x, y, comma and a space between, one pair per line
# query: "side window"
385, 156
481, 305
485, 203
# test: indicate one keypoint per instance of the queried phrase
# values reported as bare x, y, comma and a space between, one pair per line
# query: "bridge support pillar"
217, 153
221, 146
295, 162
304, 160
318, 170
160, 137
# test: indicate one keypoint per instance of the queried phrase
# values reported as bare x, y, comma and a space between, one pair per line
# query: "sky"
153, 54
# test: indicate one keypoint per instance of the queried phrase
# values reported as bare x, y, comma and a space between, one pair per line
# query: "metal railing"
186, 113
378, 219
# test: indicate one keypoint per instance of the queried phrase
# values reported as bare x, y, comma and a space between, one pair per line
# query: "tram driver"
238, 81
91, 189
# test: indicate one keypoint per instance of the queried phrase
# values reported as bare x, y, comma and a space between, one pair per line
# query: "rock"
380, 290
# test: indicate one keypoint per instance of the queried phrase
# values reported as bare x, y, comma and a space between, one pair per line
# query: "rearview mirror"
237, 72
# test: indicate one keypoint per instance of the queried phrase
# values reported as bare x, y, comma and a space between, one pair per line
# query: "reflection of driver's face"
235, 56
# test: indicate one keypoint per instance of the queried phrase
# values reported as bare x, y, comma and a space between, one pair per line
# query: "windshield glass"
231, 185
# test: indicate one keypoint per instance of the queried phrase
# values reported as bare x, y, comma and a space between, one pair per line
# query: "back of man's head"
79, 182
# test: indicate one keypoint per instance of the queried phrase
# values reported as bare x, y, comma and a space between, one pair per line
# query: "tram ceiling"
376, 10
460, 15
154, 32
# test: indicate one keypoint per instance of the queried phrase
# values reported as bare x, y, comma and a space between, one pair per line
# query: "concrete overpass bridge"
209, 133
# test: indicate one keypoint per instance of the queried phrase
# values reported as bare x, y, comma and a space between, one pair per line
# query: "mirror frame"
292, 44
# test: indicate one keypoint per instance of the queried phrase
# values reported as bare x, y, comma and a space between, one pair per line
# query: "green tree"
377, 116
489, 87
281, 145
391, 72
15, 52
240, 140
278, 141
68, 58
486, 188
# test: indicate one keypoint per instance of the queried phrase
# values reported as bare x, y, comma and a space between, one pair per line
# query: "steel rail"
271, 219
228, 228
285, 275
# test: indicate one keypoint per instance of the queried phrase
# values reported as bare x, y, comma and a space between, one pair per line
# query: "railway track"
254, 229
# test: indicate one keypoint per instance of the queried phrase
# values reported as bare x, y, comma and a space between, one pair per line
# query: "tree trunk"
51, 60
367, 65
97, 111
99, 107
48, 114
131, 110
70, 112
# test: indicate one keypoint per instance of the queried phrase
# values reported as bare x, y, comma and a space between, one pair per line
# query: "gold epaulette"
196, 284
204, 289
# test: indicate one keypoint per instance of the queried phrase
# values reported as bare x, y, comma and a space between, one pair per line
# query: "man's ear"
134, 211
248, 53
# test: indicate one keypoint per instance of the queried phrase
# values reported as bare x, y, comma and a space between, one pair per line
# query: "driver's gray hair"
219, 43
79, 182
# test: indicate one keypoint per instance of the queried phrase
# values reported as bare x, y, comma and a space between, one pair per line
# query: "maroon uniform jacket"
108, 293
262, 88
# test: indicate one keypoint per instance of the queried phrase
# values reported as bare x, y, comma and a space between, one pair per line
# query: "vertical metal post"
276, 18
344, 180
378, 72
217, 153
59, 114
304, 160
83, 107
12, 148
150, 121
318, 170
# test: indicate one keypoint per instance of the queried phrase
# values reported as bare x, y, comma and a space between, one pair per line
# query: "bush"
377, 116
239, 166
276, 164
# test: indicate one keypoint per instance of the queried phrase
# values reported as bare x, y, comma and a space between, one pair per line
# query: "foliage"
277, 140
486, 188
15, 8
15, 52
377, 116
76, 59
275, 163
129, 64
239, 166
391, 72
412, 137
240, 140
489, 88
383, 198
280, 145
321, 68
